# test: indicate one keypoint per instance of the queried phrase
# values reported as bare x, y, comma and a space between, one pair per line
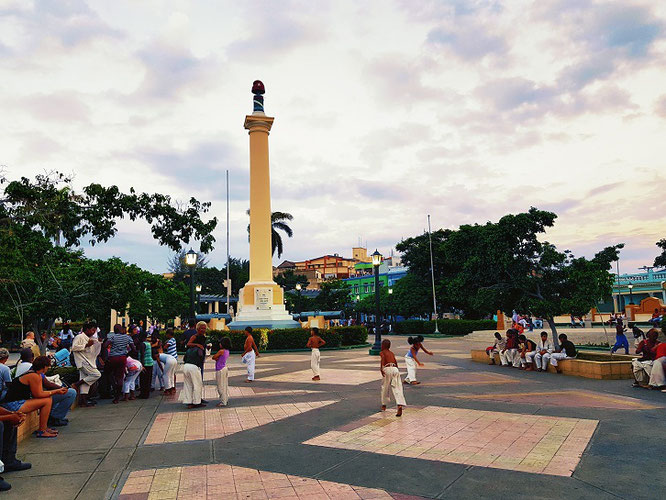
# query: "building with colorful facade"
363, 283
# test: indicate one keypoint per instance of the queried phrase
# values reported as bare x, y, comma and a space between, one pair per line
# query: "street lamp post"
191, 262
298, 289
630, 286
377, 346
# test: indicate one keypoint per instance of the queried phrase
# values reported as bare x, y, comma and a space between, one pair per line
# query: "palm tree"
277, 222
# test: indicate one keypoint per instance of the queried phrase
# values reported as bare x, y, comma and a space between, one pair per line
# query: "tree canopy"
660, 261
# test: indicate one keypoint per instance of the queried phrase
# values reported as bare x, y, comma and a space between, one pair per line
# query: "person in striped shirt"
170, 345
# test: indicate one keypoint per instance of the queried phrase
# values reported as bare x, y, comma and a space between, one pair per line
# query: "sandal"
45, 434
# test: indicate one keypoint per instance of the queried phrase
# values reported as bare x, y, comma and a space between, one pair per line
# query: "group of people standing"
518, 351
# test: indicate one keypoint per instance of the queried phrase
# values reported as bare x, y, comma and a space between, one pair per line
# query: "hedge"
288, 338
445, 326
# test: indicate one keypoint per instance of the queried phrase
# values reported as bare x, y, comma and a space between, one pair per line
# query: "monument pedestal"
262, 306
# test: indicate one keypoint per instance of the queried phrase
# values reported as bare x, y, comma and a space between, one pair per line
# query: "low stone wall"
30, 425
601, 370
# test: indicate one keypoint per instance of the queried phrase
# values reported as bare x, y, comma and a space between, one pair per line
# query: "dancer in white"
388, 365
411, 360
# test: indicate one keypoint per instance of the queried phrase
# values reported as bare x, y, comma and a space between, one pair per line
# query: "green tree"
503, 265
333, 296
660, 260
288, 280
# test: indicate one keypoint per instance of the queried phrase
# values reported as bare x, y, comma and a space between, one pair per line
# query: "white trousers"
542, 361
192, 385
249, 359
657, 375
411, 369
557, 356
642, 370
391, 383
89, 375
506, 357
130, 381
314, 362
170, 364
222, 381
527, 360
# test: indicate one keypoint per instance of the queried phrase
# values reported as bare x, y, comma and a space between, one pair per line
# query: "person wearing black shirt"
527, 352
566, 351
192, 391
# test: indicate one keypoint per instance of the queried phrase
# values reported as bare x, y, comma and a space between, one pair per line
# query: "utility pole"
228, 282
432, 275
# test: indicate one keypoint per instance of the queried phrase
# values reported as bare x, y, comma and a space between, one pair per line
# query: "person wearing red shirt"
643, 366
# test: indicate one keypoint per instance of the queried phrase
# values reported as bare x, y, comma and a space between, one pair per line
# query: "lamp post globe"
298, 289
377, 346
190, 259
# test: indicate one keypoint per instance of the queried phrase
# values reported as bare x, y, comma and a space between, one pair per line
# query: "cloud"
468, 42
660, 106
57, 107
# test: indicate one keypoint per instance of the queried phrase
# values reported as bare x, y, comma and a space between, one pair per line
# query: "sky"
385, 111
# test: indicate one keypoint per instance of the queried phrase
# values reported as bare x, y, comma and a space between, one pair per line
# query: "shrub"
445, 326
289, 338
352, 335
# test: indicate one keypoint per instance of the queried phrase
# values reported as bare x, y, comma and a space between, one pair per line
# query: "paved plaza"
469, 431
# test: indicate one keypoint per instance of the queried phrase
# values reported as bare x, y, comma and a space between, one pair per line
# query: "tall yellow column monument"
261, 301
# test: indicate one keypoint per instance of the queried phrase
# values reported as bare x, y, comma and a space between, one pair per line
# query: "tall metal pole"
619, 289
228, 258
192, 314
432, 275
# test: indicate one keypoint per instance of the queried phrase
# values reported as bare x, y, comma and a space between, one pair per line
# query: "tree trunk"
553, 329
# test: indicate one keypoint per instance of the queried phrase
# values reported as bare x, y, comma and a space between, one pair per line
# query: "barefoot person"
411, 360
499, 344
388, 365
250, 353
85, 352
25, 394
221, 371
314, 343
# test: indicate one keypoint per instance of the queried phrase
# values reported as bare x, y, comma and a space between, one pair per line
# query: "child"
221, 372
620, 339
499, 344
411, 360
133, 368
314, 343
391, 378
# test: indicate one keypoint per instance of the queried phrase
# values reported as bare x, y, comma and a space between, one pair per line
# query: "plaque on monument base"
261, 306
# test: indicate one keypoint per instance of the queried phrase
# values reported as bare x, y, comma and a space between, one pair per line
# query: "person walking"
221, 371
314, 343
388, 366
250, 354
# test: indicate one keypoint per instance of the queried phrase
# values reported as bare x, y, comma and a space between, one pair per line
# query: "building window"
366, 288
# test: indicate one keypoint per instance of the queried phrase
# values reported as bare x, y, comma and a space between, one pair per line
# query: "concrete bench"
601, 370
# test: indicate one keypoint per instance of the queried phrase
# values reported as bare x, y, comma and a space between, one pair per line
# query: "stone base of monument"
261, 306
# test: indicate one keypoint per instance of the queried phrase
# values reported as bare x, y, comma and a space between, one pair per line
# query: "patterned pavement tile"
470, 378
529, 443
568, 399
328, 375
218, 481
210, 392
219, 422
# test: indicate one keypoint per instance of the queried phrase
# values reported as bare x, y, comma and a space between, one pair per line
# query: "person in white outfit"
314, 343
411, 360
249, 354
169, 365
543, 351
85, 349
500, 343
527, 352
388, 365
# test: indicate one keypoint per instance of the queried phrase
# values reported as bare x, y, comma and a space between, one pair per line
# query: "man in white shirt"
66, 337
85, 349
544, 350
